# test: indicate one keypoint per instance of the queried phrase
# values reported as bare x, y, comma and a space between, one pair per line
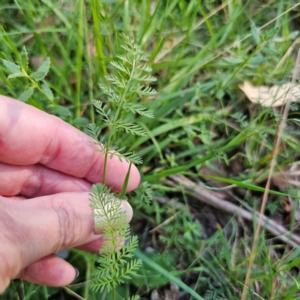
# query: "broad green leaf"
257, 60
47, 91
42, 70
15, 75
24, 59
11, 67
255, 33
62, 111
80, 121
26, 94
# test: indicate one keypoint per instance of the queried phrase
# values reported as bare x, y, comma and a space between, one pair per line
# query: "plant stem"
110, 135
79, 53
125, 184
113, 294
35, 85
95, 7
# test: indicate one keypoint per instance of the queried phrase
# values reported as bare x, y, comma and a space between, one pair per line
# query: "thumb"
41, 226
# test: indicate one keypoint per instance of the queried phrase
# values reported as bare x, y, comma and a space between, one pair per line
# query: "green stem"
124, 93
90, 73
110, 135
113, 294
35, 85
258, 47
125, 184
106, 157
79, 53
95, 7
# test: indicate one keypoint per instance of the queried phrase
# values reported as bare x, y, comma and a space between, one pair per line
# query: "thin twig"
267, 188
212, 199
70, 292
286, 55
163, 224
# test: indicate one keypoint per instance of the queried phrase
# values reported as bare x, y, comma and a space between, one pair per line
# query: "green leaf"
24, 59
120, 67
255, 33
104, 110
47, 91
128, 156
93, 130
80, 121
165, 273
233, 60
138, 109
42, 70
136, 297
11, 67
26, 94
270, 33
15, 75
125, 184
109, 1
62, 111
129, 127
257, 60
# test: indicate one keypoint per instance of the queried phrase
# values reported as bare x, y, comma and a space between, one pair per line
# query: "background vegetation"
195, 240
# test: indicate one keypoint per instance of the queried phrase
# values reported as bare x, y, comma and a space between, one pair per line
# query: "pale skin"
47, 168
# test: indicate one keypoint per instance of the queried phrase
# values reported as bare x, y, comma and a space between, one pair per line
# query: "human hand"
46, 170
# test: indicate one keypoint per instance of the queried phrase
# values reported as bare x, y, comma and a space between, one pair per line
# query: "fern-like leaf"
113, 96
125, 58
146, 78
93, 131
127, 156
130, 127
144, 193
124, 85
144, 68
119, 276
115, 80
138, 109
103, 110
120, 67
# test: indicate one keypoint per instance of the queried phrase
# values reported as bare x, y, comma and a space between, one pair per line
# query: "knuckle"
68, 223
10, 263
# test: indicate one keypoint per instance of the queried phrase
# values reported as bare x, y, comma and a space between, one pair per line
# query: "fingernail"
76, 273
141, 180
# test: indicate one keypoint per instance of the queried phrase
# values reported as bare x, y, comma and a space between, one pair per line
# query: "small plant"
34, 82
124, 87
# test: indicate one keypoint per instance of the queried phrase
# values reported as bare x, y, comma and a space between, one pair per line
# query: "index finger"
30, 136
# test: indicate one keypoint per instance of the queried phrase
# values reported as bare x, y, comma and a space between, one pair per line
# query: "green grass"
200, 52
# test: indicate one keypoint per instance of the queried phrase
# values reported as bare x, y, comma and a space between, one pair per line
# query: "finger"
39, 227
29, 136
37, 180
51, 271
93, 247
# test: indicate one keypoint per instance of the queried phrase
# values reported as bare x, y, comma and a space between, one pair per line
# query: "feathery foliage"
114, 267
122, 90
